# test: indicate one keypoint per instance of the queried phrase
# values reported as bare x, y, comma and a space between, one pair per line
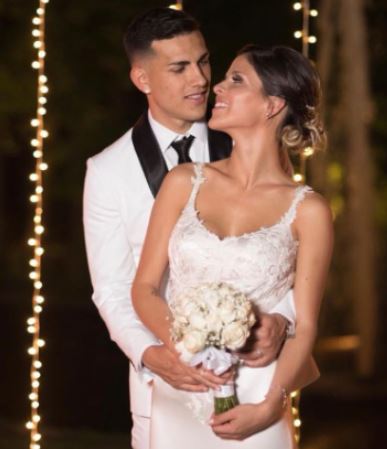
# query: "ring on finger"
259, 353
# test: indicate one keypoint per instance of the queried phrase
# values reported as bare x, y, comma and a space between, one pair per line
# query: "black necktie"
182, 147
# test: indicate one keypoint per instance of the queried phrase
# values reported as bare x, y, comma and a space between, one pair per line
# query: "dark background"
92, 103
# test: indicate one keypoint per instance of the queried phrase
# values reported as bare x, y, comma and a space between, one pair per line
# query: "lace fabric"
261, 263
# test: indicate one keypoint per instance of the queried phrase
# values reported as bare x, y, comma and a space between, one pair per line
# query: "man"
170, 64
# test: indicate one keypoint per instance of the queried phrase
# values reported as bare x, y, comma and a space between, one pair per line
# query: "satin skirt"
179, 420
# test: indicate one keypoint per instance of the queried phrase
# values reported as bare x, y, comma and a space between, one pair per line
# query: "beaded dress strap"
299, 195
197, 179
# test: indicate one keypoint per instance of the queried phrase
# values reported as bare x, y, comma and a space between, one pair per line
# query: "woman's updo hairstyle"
286, 73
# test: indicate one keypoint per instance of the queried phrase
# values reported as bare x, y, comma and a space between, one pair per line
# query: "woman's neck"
255, 159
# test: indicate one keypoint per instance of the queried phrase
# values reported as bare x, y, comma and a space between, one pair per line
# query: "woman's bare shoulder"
314, 208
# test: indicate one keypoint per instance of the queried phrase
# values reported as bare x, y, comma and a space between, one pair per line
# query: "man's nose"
199, 76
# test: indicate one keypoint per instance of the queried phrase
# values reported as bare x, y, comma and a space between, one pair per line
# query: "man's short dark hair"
156, 24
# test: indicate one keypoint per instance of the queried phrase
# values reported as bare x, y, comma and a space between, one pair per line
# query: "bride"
242, 221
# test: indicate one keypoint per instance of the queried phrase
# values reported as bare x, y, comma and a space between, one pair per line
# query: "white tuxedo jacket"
118, 200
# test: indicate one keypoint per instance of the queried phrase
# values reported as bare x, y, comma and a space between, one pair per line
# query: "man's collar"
165, 136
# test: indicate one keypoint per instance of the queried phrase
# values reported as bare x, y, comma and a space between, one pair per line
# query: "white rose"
197, 320
234, 336
194, 341
214, 324
227, 313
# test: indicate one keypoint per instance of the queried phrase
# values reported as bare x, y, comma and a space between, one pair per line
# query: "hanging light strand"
307, 39
37, 144
300, 176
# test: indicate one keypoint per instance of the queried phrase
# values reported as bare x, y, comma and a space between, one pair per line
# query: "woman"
245, 222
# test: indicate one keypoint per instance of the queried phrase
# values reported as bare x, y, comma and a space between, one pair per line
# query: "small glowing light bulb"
42, 54
37, 154
35, 384
34, 198
312, 39
43, 79
36, 21
29, 425
297, 6
31, 242
297, 177
297, 34
44, 133
34, 122
39, 229
34, 177
35, 65
34, 142
308, 151
31, 321
43, 166
37, 309
41, 343
31, 351
39, 251
38, 285
31, 329
35, 33
42, 111
40, 299
313, 12
33, 396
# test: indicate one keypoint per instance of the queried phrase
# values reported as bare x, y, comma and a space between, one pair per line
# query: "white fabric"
261, 264
140, 431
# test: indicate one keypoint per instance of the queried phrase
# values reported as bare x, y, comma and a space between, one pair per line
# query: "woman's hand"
244, 420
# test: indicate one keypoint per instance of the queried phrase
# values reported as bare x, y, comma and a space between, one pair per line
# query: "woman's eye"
236, 79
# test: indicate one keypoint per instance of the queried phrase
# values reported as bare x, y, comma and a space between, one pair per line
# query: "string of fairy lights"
37, 143
306, 39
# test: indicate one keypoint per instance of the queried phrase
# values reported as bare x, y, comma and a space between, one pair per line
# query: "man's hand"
269, 338
166, 364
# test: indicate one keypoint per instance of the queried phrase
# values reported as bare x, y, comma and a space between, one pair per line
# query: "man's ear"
140, 79
275, 106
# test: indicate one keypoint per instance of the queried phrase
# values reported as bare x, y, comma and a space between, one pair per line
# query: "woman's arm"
151, 308
313, 227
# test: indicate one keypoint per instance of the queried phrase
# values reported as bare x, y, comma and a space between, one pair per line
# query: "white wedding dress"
262, 265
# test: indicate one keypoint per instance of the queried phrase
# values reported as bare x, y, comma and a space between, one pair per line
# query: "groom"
169, 63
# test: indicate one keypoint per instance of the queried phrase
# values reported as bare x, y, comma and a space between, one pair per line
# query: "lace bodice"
261, 264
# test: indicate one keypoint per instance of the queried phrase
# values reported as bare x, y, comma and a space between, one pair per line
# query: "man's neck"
173, 124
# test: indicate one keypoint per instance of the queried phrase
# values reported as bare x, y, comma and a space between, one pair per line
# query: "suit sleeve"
112, 265
287, 309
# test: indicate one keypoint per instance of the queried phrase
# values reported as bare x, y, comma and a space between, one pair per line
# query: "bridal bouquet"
209, 321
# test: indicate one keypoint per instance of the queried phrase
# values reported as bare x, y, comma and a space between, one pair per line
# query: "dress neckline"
200, 178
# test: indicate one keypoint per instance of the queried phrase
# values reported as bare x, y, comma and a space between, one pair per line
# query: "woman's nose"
218, 88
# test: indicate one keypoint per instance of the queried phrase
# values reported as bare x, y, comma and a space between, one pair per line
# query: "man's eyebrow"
185, 63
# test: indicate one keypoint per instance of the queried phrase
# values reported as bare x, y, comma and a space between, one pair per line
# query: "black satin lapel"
149, 154
220, 145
